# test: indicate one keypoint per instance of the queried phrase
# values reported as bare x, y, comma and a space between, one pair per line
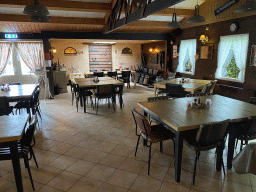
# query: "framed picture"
206, 52
253, 56
175, 51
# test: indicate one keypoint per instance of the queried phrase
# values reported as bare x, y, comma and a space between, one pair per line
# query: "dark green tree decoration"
232, 69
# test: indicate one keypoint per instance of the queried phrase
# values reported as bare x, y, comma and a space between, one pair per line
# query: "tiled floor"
88, 152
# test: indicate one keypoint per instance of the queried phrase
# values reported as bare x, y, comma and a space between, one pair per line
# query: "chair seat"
158, 133
87, 93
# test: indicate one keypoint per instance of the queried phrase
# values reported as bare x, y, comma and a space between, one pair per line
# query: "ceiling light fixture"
196, 18
249, 6
37, 12
174, 23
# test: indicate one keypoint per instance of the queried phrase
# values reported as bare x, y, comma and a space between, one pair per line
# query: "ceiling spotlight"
249, 6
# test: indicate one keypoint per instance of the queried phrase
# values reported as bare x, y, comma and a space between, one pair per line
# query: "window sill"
230, 79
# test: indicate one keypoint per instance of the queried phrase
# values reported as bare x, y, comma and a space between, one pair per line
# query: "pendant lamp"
249, 6
196, 18
35, 18
174, 23
36, 9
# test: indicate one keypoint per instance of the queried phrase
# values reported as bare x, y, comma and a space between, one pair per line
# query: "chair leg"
194, 175
241, 145
29, 172
72, 100
97, 106
77, 99
33, 155
137, 145
161, 146
222, 163
149, 158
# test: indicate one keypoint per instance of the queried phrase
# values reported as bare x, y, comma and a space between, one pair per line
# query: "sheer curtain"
5, 52
31, 53
191, 46
240, 48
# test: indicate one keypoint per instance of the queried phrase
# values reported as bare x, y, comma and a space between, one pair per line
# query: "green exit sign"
11, 36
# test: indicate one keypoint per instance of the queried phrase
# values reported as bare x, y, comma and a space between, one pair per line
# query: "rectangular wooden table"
11, 130
191, 86
174, 114
19, 93
87, 83
90, 74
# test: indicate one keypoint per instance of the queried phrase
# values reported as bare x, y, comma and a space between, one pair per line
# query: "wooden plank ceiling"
85, 16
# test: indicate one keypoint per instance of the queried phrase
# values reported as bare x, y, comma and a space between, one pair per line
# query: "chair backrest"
4, 106
150, 71
126, 74
173, 88
214, 82
98, 74
141, 122
207, 88
157, 98
250, 126
171, 75
14, 83
105, 90
213, 132
252, 100
112, 73
195, 95
29, 132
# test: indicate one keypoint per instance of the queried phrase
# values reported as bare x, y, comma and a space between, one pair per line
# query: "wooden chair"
5, 108
98, 74
112, 74
209, 136
24, 147
152, 134
175, 91
126, 78
214, 82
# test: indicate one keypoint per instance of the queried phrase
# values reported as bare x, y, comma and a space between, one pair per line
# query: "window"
20, 58
232, 56
187, 56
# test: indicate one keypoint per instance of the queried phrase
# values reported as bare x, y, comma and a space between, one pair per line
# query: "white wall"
80, 61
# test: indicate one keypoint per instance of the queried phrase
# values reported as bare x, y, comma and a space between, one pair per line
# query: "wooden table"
87, 83
19, 93
174, 115
11, 130
191, 86
90, 74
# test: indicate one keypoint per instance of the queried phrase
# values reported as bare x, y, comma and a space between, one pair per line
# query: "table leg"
232, 132
135, 79
84, 99
16, 165
155, 90
178, 155
121, 96
81, 96
219, 157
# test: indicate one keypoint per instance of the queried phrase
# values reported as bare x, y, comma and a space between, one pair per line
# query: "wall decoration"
225, 7
127, 50
153, 58
175, 51
70, 51
253, 55
206, 52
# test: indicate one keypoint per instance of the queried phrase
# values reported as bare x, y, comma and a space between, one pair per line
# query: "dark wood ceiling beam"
179, 12
159, 24
151, 8
59, 20
61, 5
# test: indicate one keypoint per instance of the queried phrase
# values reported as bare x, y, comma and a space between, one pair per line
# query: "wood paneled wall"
100, 57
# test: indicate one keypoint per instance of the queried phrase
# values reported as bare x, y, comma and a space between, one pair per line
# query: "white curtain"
191, 46
5, 52
32, 54
239, 43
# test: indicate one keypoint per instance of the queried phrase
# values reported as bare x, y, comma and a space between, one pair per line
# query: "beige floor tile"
170, 187
89, 143
122, 150
111, 188
77, 152
122, 179
47, 157
235, 187
253, 179
112, 160
6, 185
100, 172
115, 139
80, 167
145, 183
105, 147
207, 183
86, 184
142, 154
64, 181
130, 142
73, 140
162, 159
48, 189
231, 175
63, 162
132, 165
156, 171
94, 156
45, 173
62, 148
